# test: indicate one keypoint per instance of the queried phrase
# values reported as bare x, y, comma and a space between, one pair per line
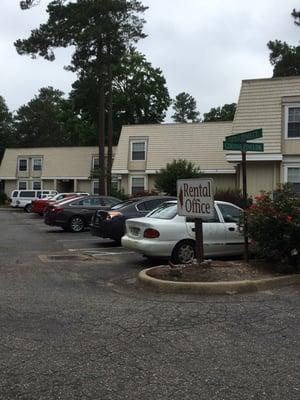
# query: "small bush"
233, 196
119, 194
274, 227
145, 193
3, 198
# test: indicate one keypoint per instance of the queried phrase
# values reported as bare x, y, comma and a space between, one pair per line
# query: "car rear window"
123, 204
165, 211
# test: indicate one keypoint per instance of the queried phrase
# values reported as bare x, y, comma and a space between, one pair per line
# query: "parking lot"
74, 325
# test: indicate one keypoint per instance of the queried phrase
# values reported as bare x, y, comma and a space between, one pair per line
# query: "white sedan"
163, 233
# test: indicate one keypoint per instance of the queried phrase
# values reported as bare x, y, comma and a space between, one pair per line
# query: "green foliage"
232, 196
139, 91
6, 134
49, 120
284, 58
166, 181
119, 194
140, 95
274, 226
185, 108
3, 198
224, 113
144, 193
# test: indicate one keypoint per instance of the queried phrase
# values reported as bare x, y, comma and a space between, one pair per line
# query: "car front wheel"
76, 224
184, 252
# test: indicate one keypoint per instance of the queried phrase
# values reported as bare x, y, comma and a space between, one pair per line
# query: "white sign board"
195, 198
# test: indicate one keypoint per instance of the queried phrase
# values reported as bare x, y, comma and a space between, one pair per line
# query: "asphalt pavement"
74, 325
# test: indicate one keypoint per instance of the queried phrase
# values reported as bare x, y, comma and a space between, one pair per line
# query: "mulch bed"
216, 271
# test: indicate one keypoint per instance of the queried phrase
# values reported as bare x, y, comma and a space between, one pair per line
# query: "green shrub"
274, 227
233, 196
119, 194
3, 198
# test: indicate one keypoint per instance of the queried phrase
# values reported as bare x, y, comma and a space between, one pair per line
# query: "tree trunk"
109, 130
101, 129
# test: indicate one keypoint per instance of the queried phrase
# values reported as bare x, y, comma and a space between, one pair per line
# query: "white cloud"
204, 47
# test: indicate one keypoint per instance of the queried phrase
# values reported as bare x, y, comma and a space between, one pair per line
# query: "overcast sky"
204, 47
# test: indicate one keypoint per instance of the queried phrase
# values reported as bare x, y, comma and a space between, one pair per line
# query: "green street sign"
243, 137
243, 146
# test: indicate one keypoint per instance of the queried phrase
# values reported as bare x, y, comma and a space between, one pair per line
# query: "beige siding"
84, 186
291, 147
260, 105
124, 184
201, 143
151, 183
262, 177
137, 165
223, 181
48, 184
9, 187
58, 164
68, 162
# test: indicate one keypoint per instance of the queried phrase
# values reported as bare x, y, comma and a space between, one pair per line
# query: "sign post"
239, 142
195, 200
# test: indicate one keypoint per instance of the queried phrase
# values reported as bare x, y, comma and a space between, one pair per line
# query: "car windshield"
165, 211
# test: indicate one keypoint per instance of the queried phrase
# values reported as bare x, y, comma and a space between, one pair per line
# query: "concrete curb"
230, 287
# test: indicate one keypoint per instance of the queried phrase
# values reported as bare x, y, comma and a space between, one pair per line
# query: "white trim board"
254, 157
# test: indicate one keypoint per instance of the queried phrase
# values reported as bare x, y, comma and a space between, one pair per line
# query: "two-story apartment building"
65, 169
271, 104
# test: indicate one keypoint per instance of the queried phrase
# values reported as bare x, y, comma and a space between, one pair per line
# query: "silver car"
163, 233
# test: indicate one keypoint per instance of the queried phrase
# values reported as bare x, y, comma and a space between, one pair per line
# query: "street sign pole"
244, 171
199, 240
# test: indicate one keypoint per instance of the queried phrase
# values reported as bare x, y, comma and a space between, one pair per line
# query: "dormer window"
138, 150
23, 164
292, 123
36, 164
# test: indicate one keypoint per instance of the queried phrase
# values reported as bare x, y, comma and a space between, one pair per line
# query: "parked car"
111, 224
40, 205
75, 214
163, 233
23, 198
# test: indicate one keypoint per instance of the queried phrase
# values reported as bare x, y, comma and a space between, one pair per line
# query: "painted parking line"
101, 252
78, 240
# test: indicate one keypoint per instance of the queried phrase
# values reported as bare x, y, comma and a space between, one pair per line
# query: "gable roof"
200, 143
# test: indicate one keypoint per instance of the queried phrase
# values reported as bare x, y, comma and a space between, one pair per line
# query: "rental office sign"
195, 198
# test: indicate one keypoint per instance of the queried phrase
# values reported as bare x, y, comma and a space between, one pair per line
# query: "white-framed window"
95, 187
95, 163
292, 121
138, 184
23, 165
36, 164
37, 185
22, 185
138, 150
292, 176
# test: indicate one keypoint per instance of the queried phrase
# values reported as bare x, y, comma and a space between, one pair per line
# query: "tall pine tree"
100, 31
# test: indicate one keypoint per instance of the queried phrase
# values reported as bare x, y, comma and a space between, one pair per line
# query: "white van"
23, 198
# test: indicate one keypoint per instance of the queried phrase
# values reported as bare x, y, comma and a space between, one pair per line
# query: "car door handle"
231, 229
193, 229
